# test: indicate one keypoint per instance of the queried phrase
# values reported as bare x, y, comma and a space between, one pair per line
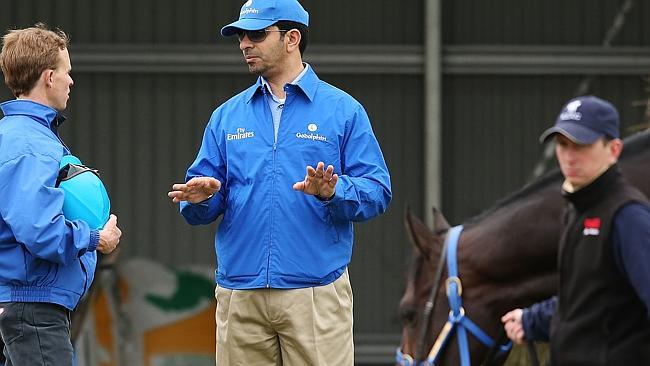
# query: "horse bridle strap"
430, 305
457, 317
457, 320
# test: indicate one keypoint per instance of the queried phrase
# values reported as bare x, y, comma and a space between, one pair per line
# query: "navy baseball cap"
584, 120
259, 14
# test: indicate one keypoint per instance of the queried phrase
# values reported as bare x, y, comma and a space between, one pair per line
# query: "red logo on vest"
591, 226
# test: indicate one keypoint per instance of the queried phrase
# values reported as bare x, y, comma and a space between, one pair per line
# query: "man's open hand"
319, 182
196, 190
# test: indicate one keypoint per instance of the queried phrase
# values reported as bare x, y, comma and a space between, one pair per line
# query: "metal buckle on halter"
408, 360
456, 318
403, 359
459, 285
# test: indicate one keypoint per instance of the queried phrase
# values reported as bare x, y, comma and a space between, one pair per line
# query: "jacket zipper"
268, 258
275, 146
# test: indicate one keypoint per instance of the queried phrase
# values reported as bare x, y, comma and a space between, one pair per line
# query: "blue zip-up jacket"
271, 235
43, 256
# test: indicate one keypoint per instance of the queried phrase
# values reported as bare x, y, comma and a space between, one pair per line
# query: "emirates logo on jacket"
240, 134
591, 226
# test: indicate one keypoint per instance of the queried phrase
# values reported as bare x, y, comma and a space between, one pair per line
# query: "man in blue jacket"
47, 263
285, 241
601, 313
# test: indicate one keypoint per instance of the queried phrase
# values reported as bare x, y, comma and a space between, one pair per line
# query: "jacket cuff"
94, 240
526, 324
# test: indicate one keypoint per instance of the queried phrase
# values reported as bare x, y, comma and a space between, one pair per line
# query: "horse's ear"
422, 238
439, 221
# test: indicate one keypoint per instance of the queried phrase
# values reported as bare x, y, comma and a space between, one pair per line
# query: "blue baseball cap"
259, 14
584, 120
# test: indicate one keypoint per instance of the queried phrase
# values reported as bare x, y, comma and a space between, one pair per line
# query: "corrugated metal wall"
142, 129
539, 22
491, 125
198, 21
394, 104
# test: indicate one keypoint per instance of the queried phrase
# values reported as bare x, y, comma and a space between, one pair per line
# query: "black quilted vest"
599, 319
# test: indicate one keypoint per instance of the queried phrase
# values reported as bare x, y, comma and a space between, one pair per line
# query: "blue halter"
457, 320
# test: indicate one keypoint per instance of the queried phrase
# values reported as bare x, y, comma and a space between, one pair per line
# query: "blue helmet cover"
85, 195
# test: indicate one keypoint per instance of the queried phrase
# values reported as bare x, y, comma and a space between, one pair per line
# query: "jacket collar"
42, 114
588, 195
308, 84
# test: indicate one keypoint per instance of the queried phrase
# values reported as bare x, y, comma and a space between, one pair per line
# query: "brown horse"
506, 258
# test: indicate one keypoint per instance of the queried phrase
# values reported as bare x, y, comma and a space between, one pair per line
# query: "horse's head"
427, 247
423, 327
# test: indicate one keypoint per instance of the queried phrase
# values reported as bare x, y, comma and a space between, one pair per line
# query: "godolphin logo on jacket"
312, 135
240, 134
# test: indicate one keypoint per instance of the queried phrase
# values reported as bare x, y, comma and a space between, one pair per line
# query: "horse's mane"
633, 145
636, 143
532, 187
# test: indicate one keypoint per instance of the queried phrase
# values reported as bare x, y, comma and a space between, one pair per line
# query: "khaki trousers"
301, 327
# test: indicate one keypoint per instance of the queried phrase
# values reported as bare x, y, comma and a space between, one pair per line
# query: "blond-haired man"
47, 262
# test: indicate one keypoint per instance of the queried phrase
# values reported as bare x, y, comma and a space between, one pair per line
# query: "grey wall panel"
365, 21
579, 22
199, 21
124, 21
394, 104
539, 22
491, 126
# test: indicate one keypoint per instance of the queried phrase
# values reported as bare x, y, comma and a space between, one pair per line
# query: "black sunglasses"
256, 36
